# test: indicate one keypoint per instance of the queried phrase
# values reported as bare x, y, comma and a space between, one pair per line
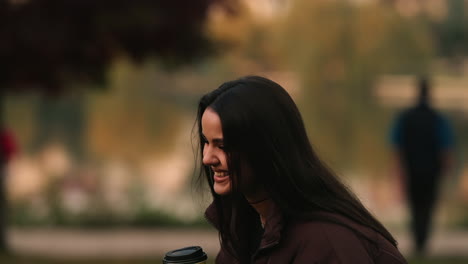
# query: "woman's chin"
222, 189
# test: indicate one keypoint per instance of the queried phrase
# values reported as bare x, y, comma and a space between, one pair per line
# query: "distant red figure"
8, 149
8, 145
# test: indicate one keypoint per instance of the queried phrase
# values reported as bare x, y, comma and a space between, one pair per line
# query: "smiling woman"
274, 201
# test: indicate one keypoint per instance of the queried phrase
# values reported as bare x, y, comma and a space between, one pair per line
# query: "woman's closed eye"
204, 140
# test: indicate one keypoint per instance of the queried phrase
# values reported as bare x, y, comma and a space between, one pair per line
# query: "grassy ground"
438, 260
31, 260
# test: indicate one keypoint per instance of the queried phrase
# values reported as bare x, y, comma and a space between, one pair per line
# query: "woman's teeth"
221, 173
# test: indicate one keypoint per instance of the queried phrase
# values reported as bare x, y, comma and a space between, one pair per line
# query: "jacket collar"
276, 223
272, 230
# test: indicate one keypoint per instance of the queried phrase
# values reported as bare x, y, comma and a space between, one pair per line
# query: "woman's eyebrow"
215, 140
218, 140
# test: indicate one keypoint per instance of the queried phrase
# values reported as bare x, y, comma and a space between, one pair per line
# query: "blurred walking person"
423, 143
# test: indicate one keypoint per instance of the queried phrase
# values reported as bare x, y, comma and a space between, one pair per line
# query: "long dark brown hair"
263, 128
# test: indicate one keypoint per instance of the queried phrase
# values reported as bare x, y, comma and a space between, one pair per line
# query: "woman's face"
213, 151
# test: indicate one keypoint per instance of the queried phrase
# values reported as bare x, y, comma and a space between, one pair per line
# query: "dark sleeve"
336, 244
444, 133
395, 135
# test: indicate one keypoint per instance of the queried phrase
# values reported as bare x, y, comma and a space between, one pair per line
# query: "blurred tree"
62, 119
339, 49
451, 33
248, 37
447, 21
45, 44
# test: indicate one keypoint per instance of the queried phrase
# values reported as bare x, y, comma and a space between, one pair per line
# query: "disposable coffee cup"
186, 255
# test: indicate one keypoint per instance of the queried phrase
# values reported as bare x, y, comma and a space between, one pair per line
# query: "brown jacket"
316, 241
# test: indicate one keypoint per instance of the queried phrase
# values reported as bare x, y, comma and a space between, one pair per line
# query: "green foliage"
437, 260
451, 33
462, 219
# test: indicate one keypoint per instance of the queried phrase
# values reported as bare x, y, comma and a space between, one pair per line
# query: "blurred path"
155, 242
118, 243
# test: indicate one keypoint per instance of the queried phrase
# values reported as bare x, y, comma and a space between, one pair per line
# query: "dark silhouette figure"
423, 141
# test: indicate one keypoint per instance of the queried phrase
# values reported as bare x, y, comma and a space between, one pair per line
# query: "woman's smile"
221, 173
221, 177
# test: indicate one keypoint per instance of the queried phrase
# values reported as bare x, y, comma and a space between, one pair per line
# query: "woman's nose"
209, 158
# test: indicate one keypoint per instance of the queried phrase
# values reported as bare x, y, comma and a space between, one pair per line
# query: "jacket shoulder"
330, 242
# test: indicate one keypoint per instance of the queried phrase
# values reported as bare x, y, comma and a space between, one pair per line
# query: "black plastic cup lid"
186, 255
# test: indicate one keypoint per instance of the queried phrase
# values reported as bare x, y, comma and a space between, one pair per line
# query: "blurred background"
98, 101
